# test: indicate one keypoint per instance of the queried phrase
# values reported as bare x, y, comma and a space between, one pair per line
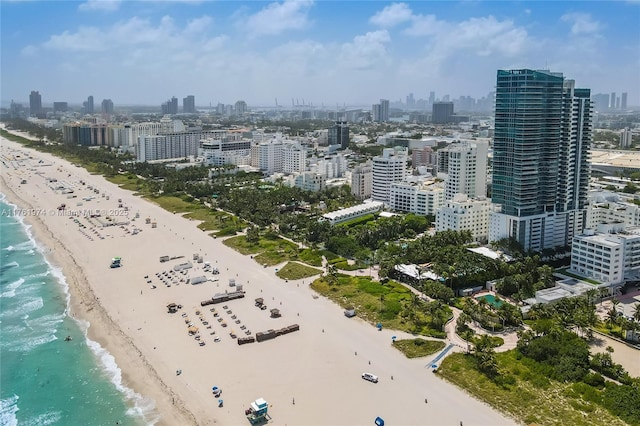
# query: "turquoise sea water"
45, 380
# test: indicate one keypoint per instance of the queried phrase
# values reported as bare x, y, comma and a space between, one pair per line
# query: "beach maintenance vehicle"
116, 262
257, 412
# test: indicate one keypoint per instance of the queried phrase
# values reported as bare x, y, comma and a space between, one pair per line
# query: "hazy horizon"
323, 52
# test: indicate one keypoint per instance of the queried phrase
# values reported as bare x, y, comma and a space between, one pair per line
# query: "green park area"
524, 392
267, 250
416, 348
297, 271
390, 304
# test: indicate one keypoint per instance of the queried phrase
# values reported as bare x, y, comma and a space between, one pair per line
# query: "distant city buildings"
60, 107
241, 108
107, 106
380, 112
35, 104
339, 134
442, 113
541, 148
88, 106
189, 104
170, 107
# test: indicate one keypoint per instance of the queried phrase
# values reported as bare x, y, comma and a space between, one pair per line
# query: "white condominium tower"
540, 159
465, 164
388, 168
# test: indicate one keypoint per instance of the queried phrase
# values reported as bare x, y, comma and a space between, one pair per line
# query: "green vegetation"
296, 271
415, 348
566, 272
311, 257
391, 304
550, 378
269, 250
528, 395
357, 221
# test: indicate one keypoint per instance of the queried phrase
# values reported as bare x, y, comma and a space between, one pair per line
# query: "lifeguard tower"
116, 262
257, 413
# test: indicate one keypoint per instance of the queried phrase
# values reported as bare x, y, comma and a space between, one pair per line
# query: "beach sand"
308, 377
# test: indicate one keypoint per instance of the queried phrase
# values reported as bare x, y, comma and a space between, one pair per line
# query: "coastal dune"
308, 377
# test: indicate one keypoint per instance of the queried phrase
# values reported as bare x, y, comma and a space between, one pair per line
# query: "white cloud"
278, 17
134, 31
199, 25
87, 39
581, 23
29, 50
366, 51
100, 5
423, 25
392, 15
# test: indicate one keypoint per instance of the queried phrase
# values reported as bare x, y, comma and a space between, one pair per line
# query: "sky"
319, 52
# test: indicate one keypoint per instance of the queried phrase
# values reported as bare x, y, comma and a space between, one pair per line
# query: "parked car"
370, 377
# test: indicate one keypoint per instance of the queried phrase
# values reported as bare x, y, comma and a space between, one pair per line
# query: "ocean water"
45, 380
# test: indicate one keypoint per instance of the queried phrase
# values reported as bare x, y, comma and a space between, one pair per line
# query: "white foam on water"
8, 410
10, 289
144, 408
9, 265
30, 305
50, 418
27, 245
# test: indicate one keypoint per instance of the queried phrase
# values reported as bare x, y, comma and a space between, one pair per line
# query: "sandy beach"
308, 377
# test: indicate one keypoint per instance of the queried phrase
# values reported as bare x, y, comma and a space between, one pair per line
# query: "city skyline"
353, 53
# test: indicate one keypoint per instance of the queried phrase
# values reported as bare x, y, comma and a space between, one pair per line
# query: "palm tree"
591, 295
612, 318
636, 312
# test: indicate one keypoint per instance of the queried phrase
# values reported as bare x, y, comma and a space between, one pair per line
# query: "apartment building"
388, 168
610, 253
465, 214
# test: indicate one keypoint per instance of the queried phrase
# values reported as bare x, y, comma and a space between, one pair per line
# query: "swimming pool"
491, 299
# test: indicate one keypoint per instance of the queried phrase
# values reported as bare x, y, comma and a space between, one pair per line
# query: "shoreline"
309, 377
99, 327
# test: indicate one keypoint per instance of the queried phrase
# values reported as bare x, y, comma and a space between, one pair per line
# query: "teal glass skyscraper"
540, 158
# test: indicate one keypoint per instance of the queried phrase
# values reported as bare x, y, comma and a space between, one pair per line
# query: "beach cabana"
192, 330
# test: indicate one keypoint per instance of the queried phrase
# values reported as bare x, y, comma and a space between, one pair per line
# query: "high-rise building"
466, 168
384, 110
380, 112
339, 134
89, 107
35, 103
361, 178
623, 101
612, 105
424, 156
107, 106
601, 101
626, 138
442, 112
388, 168
189, 105
170, 107
240, 107
60, 107
542, 138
